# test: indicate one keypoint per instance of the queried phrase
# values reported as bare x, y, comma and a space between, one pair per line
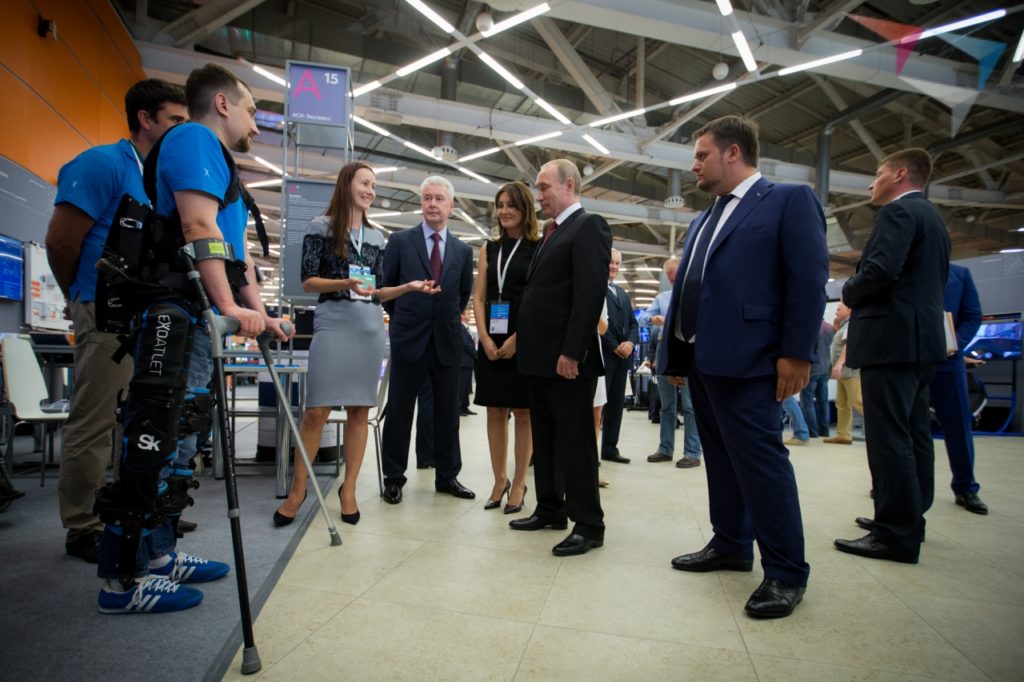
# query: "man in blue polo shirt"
195, 180
89, 190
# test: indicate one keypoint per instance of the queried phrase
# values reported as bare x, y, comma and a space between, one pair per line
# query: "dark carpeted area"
50, 628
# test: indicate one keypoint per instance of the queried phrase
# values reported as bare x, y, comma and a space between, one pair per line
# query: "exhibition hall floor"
436, 588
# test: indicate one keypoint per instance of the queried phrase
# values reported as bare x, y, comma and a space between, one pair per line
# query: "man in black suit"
466, 366
426, 339
742, 327
557, 347
618, 343
896, 337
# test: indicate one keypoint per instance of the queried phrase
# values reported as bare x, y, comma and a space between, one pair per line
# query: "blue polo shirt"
191, 160
94, 182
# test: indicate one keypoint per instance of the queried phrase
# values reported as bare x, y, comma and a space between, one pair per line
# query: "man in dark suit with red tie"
557, 347
618, 343
896, 338
742, 327
426, 339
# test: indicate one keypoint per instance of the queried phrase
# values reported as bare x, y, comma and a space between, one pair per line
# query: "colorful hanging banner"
987, 52
959, 100
904, 35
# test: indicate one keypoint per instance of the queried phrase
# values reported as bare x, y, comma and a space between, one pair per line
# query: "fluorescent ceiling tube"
515, 19
266, 164
596, 145
538, 138
501, 70
272, 76
415, 147
475, 176
478, 155
725, 7
385, 214
363, 89
702, 94
263, 183
438, 20
384, 169
372, 126
617, 117
420, 63
821, 62
956, 25
744, 50
1018, 54
551, 110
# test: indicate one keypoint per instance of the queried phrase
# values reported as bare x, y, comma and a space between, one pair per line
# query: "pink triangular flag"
904, 35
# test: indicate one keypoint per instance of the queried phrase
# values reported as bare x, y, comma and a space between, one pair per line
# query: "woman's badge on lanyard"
500, 310
357, 270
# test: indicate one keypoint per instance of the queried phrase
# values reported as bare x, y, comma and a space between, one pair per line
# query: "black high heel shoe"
282, 520
516, 508
351, 519
494, 504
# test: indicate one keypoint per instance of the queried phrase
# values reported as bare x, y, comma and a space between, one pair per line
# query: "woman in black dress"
501, 278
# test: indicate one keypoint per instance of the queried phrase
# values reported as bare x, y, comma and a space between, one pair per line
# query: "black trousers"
465, 384
901, 453
406, 381
611, 419
565, 452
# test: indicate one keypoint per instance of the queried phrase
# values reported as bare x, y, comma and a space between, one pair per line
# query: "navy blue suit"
949, 387
426, 341
622, 326
761, 298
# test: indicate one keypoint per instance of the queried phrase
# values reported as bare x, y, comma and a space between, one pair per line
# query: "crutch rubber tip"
251, 661
335, 539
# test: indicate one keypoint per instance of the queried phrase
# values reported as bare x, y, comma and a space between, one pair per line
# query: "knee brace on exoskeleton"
152, 412
128, 520
197, 415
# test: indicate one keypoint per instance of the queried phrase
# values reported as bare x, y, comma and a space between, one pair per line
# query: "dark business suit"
558, 315
622, 326
949, 387
761, 298
426, 340
466, 366
896, 337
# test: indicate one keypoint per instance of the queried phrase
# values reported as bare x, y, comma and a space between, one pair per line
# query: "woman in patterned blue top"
342, 261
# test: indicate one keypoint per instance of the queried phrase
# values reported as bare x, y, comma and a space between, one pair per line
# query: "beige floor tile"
773, 669
373, 640
592, 593
988, 634
565, 654
350, 569
486, 582
858, 626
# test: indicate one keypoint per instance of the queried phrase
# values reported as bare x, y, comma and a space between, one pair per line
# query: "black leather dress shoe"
773, 599
615, 457
575, 544
424, 465
86, 546
534, 522
864, 522
972, 503
709, 559
453, 487
392, 493
871, 548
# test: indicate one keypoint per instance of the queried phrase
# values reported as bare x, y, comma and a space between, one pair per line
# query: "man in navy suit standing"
742, 327
426, 339
618, 343
896, 338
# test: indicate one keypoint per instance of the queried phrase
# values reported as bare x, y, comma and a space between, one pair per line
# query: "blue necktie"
690, 299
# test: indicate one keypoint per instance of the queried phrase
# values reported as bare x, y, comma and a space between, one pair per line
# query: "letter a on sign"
307, 83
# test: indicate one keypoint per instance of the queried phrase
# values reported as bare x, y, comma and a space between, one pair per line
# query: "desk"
286, 374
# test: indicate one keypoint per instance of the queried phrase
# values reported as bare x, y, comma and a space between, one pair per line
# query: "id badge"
499, 317
366, 278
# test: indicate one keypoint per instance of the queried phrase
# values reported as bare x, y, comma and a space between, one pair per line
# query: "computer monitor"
12, 269
998, 338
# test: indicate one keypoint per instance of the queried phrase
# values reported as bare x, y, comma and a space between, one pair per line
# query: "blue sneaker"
185, 568
150, 595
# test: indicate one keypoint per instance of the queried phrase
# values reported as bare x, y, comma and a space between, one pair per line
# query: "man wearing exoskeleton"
192, 180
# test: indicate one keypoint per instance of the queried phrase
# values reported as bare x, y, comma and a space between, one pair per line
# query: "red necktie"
435, 258
552, 226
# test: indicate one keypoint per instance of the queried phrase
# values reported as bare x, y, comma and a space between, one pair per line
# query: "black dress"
498, 383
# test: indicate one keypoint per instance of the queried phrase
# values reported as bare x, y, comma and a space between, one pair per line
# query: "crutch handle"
226, 326
267, 337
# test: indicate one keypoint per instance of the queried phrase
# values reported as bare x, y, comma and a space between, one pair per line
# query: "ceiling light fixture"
425, 61
617, 117
596, 145
955, 26
1018, 54
426, 11
725, 7
384, 169
263, 183
500, 70
516, 19
363, 89
821, 62
538, 138
701, 94
272, 76
744, 50
372, 126
416, 148
266, 164
477, 155
551, 110
383, 214
469, 219
475, 176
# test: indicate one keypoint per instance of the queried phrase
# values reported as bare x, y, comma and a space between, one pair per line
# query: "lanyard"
359, 246
501, 273
138, 158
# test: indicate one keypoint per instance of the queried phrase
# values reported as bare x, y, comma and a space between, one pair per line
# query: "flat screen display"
998, 338
12, 269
